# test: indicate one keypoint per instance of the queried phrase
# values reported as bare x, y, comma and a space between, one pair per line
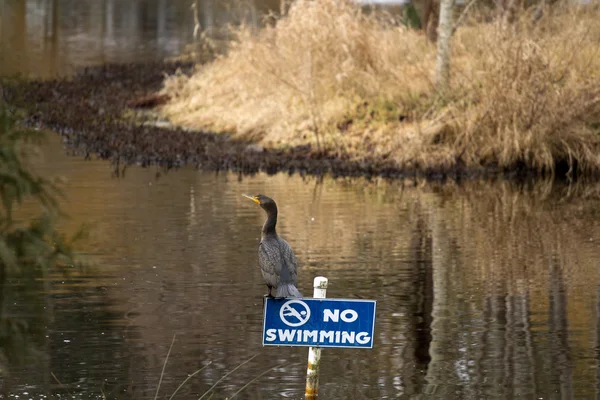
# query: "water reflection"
55, 37
485, 290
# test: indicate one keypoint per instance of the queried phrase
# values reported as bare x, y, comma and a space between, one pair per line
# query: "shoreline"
90, 111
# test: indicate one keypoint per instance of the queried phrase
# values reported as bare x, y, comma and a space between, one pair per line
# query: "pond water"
46, 38
485, 290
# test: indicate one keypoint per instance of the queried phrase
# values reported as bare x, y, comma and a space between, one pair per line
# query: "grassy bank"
359, 86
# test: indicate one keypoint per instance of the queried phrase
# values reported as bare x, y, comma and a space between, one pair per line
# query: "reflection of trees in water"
597, 340
52, 36
51, 325
504, 252
422, 302
475, 286
496, 265
83, 313
21, 338
479, 263
560, 364
35, 339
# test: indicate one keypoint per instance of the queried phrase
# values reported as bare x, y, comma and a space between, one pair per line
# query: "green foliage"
30, 247
410, 17
36, 244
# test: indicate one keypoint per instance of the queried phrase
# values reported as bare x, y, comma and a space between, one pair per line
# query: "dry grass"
522, 95
530, 95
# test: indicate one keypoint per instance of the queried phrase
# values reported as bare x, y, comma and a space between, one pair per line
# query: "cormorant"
275, 256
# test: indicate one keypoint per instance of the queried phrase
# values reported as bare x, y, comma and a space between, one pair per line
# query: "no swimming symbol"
294, 313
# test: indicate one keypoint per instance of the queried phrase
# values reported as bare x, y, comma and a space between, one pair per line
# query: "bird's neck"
269, 226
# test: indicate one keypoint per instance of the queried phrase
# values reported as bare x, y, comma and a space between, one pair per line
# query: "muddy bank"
97, 113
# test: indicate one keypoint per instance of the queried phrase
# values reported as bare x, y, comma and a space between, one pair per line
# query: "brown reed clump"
523, 94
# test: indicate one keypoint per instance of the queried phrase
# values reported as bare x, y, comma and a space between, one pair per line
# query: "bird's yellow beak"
253, 198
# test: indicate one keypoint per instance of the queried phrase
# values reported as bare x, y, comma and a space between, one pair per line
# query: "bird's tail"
288, 290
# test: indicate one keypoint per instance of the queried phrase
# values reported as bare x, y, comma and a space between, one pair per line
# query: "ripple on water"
478, 295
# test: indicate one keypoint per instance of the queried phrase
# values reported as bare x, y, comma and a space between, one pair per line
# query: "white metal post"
314, 353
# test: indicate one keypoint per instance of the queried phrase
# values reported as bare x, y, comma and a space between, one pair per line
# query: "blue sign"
319, 322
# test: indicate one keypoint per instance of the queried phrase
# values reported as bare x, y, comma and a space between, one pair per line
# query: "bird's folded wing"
290, 262
270, 262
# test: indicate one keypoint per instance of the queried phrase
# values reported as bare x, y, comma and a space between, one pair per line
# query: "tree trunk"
430, 9
442, 70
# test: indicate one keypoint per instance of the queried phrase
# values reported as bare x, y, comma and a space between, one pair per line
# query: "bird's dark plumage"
275, 256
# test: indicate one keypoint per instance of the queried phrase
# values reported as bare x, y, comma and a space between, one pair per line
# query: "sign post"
316, 323
314, 353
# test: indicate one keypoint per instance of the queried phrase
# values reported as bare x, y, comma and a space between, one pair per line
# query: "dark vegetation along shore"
328, 88
103, 112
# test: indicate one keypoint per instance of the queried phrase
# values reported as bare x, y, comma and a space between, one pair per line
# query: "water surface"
484, 290
45, 38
